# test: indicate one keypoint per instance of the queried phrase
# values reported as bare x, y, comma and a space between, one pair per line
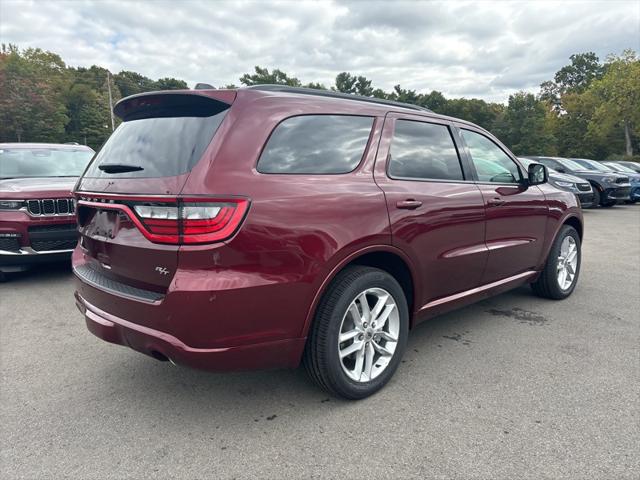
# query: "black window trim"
467, 154
449, 127
365, 152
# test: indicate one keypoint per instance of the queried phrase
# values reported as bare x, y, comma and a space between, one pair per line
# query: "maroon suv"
261, 227
37, 218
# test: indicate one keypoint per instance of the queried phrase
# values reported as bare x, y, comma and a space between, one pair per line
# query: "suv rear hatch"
131, 216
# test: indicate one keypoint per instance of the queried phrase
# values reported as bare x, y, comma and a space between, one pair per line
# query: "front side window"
423, 151
316, 144
491, 163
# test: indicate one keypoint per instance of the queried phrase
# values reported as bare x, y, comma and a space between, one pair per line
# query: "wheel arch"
385, 257
575, 222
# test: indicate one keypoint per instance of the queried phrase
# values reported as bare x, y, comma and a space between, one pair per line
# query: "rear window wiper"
119, 168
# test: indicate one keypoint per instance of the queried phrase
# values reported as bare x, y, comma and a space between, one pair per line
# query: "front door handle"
495, 202
409, 204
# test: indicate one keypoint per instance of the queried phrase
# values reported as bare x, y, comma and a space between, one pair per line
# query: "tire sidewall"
553, 261
370, 279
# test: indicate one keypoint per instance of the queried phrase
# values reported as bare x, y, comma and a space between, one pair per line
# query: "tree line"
590, 109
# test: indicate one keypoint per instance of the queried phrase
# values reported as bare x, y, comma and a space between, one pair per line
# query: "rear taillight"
191, 220
177, 221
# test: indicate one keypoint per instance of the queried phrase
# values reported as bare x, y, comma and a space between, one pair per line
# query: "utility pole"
113, 125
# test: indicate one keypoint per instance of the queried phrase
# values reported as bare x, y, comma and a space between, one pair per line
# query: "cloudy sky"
471, 49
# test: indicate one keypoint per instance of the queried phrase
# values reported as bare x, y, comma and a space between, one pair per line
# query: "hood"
595, 176
565, 177
37, 187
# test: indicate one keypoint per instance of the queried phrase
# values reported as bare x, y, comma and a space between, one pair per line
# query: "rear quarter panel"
298, 227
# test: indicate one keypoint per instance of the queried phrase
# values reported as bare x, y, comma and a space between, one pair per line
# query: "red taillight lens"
191, 221
204, 222
177, 221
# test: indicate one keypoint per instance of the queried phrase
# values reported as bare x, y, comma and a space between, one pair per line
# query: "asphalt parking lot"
513, 387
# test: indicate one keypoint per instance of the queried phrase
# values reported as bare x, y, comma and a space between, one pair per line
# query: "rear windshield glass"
316, 144
155, 147
43, 162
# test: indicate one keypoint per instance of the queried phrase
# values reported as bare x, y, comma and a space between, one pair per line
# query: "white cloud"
479, 49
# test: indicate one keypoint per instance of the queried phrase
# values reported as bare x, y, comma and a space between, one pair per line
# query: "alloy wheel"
369, 334
567, 262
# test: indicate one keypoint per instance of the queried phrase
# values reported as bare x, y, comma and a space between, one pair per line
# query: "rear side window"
160, 145
423, 151
316, 144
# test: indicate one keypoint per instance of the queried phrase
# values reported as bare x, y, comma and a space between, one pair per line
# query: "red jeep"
255, 228
37, 214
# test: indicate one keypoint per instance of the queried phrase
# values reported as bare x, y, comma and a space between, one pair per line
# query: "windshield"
43, 162
620, 168
527, 161
570, 164
593, 165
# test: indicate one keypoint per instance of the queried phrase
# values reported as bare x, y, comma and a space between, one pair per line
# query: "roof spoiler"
171, 104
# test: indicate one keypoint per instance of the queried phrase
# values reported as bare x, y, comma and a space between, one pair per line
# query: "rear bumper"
274, 354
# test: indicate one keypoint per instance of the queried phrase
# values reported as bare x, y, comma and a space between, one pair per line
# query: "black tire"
547, 285
608, 203
321, 356
596, 198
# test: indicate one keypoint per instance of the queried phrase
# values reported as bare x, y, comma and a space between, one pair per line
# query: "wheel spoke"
354, 347
348, 335
570, 268
357, 369
368, 363
355, 315
382, 300
364, 305
382, 319
381, 350
387, 336
562, 278
572, 256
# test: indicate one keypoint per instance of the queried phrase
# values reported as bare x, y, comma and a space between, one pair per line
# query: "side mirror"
537, 174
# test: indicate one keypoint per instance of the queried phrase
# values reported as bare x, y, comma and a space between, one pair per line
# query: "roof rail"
333, 94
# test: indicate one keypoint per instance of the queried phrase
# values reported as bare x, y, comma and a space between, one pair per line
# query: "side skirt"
461, 299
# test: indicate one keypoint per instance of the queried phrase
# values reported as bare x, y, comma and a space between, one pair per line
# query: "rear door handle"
409, 204
495, 202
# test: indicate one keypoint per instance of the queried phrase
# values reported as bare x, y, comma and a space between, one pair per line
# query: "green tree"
359, 85
473, 110
404, 95
262, 76
523, 126
170, 84
434, 101
576, 77
130, 83
616, 99
316, 85
31, 105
